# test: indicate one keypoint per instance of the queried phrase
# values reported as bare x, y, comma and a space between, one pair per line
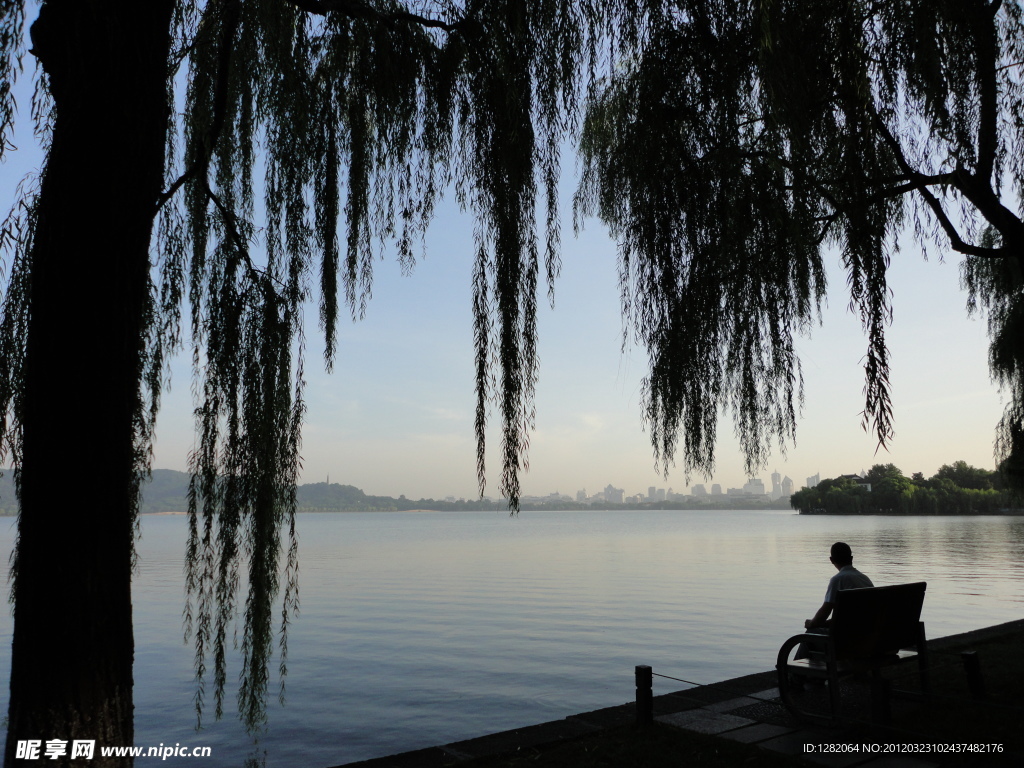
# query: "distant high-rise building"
661, 494
613, 495
652, 493
754, 486
716, 489
699, 490
581, 495
776, 485
813, 480
787, 486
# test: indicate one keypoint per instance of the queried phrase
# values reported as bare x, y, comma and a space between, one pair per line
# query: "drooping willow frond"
315, 135
743, 138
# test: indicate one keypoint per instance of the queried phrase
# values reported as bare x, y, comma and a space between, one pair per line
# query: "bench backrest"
877, 620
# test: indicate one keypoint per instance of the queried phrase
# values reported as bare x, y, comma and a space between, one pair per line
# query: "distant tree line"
167, 491
333, 497
956, 489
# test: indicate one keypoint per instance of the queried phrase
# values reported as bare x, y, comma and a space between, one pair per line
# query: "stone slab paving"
608, 717
521, 738
752, 734
432, 757
731, 704
506, 742
704, 721
671, 703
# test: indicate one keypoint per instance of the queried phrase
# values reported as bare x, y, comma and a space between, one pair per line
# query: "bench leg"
922, 659
833, 696
972, 668
881, 711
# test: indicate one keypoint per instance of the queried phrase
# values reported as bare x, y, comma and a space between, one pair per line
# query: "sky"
396, 415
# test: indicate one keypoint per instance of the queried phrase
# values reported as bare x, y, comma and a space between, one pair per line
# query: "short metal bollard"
644, 695
972, 666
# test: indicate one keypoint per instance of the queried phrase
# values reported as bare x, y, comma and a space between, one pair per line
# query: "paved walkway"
746, 709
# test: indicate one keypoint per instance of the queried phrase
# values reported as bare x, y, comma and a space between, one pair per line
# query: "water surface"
423, 628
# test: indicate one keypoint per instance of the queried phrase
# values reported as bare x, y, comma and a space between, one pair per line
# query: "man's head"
841, 554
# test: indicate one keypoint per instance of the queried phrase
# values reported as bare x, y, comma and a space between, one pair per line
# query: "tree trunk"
71, 674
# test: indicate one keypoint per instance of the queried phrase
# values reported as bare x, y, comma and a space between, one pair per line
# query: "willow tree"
145, 224
744, 138
212, 166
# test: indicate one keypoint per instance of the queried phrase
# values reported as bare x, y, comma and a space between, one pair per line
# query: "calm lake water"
424, 628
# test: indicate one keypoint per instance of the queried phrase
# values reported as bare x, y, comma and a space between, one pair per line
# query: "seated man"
848, 578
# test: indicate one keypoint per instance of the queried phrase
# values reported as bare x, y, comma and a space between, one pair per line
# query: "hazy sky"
396, 416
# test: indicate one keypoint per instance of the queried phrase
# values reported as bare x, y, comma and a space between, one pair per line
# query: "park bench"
871, 629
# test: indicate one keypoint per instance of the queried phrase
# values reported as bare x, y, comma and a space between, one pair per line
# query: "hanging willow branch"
363, 113
743, 138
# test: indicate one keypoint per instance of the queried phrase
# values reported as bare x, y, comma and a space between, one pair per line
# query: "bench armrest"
795, 640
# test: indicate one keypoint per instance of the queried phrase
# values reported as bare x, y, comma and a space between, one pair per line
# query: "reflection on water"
423, 628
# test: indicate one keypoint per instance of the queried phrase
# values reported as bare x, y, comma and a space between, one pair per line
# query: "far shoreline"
533, 508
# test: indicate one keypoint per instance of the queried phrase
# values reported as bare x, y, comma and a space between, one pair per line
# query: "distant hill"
8, 501
167, 491
321, 497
